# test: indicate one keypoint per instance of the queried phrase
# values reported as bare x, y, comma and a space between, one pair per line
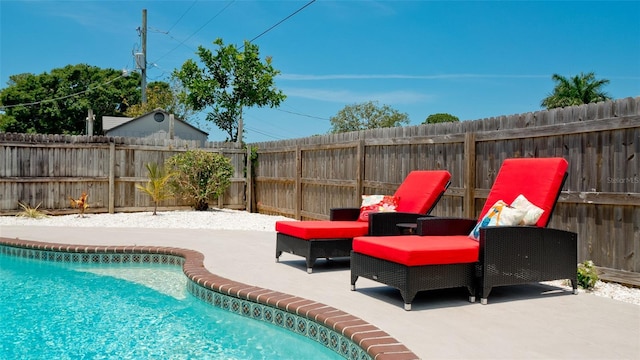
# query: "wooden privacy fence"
600, 201
48, 169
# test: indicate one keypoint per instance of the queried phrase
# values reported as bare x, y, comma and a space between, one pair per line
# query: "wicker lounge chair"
418, 194
442, 255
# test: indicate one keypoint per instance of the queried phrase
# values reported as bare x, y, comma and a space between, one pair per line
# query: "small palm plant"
157, 185
29, 212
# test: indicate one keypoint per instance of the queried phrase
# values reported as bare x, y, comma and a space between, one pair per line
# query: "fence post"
221, 197
112, 177
469, 202
360, 170
298, 187
249, 181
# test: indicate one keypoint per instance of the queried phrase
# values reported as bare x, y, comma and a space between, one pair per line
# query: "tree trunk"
201, 205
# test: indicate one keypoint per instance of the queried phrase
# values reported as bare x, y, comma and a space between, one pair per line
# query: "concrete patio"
520, 322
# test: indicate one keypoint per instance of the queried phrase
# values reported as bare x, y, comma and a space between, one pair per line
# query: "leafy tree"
57, 102
367, 115
229, 80
578, 90
162, 95
440, 118
200, 176
157, 187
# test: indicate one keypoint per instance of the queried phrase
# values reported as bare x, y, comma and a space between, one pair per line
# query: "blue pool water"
72, 311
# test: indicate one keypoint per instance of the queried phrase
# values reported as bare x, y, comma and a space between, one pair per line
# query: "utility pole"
90, 119
143, 63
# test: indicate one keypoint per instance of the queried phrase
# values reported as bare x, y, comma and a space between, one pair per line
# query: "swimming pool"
58, 311
340, 332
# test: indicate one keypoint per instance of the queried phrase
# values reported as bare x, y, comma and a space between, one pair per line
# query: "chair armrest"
385, 223
344, 214
442, 226
525, 236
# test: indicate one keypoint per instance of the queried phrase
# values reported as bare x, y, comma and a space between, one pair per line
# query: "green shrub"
587, 275
200, 176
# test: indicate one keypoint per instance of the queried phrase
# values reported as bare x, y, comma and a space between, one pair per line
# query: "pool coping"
376, 343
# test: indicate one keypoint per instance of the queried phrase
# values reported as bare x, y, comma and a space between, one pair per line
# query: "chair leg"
310, 261
485, 294
574, 285
472, 294
278, 253
407, 297
354, 278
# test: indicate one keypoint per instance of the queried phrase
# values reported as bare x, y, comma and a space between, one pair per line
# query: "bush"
200, 176
587, 275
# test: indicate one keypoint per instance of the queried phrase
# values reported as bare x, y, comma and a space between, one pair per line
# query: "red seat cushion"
538, 179
420, 190
414, 250
323, 229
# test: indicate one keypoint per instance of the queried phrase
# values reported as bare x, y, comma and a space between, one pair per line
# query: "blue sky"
472, 59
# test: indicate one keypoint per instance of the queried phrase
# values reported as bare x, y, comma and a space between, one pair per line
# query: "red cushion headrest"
538, 179
420, 190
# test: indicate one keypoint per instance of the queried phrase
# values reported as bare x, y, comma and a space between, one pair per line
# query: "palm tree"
578, 90
157, 186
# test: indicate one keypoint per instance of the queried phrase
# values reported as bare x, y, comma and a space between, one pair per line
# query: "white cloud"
345, 96
312, 77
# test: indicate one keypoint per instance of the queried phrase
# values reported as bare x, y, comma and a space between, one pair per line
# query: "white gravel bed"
225, 219
605, 289
221, 219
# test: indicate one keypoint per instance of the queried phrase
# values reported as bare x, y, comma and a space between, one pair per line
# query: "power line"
299, 114
275, 132
272, 136
283, 20
183, 14
197, 31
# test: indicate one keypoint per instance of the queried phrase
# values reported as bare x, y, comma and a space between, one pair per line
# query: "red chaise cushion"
414, 250
420, 190
538, 179
322, 229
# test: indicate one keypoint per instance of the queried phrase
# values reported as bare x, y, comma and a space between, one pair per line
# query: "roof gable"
110, 122
118, 122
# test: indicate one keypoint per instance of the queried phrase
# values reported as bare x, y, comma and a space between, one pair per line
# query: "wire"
264, 133
283, 20
309, 116
197, 31
185, 13
276, 130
